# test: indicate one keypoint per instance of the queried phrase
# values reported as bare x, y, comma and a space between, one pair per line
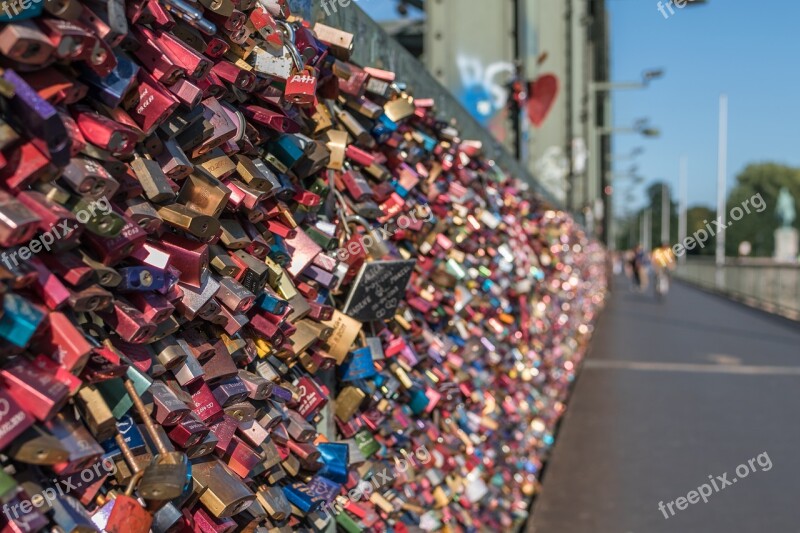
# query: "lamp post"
636, 152
684, 207
665, 213
601, 130
722, 170
643, 128
647, 77
647, 231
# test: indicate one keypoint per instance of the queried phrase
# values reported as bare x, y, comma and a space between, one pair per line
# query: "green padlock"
7, 485
367, 443
347, 523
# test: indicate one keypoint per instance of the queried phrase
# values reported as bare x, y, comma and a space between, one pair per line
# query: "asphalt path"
670, 394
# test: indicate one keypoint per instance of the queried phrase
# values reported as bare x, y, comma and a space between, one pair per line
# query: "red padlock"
70, 40
301, 88
125, 514
104, 132
150, 103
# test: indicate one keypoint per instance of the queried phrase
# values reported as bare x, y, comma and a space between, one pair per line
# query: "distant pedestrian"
638, 267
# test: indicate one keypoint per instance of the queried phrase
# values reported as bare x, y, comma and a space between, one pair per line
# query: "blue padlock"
141, 278
300, 495
20, 320
336, 458
112, 89
359, 365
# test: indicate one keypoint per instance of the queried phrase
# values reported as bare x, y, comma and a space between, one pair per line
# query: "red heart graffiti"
543, 92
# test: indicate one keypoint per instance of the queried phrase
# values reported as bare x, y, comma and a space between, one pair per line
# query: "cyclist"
663, 261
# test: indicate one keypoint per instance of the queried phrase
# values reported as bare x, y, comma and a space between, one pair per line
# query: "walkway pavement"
670, 394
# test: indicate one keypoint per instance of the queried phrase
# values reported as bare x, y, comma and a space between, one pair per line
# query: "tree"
698, 218
766, 180
655, 197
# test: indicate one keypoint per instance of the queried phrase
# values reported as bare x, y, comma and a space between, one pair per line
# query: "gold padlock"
96, 413
221, 491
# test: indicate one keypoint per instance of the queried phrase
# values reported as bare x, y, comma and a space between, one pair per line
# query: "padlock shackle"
127, 453
289, 42
148, 422
133, 482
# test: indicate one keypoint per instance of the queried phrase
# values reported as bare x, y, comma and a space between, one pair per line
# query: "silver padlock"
281, 64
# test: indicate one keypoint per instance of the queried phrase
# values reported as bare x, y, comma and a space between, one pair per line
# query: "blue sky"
383, 9
743, 48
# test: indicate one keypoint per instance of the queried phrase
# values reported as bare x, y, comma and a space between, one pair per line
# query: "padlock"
194, 63
186, 219
301, 88
174, 162
141, 279
206, 523
70, 515
149, 103
128, 322
104, 132
150, 53
167, 518
154, 307
154, 182
256, 174
188, 432
82, 447
18, 223
123, 513
58, 89
165, 478
204, 448
19, 320
88, 178
190, 371
222, 492
203, 192
340, 42
230, 391
22, 515
206, 405
36, 391
96, 413
38, 447
168, 410
237, 77
24, 42
169, 353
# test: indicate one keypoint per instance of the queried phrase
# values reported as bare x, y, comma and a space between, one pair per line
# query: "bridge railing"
762, 283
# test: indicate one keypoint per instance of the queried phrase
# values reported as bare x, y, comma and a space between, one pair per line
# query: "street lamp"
625, 157
641, 127
634, 177
647, 77
600, 131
